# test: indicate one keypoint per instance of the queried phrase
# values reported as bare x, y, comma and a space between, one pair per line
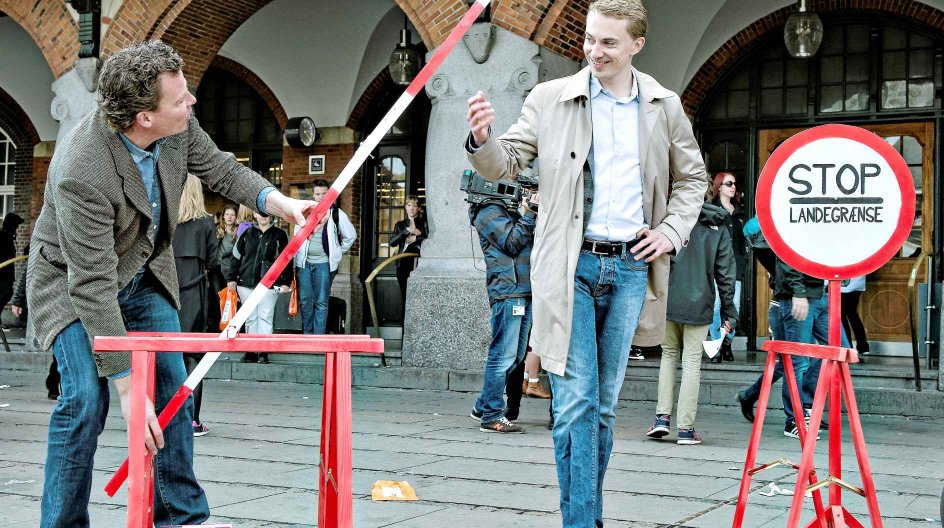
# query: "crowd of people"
625, 247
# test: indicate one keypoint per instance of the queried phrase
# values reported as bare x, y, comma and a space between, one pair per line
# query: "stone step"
876, 392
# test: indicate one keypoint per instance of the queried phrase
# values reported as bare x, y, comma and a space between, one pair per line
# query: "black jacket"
706, 260
195, 254
735, 224
255, 252
400, 234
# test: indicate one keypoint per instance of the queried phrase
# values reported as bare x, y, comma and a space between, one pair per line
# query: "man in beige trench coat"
611, 141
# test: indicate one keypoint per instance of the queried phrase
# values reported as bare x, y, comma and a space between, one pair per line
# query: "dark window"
7, 171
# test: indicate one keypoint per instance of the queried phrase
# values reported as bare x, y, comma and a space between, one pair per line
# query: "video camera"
506, 193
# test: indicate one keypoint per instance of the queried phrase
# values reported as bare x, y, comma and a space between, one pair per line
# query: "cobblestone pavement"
258, 463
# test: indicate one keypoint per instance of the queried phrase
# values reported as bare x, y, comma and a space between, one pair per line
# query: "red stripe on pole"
445, 48
167, 414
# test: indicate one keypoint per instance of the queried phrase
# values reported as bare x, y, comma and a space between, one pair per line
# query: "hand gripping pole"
361, 155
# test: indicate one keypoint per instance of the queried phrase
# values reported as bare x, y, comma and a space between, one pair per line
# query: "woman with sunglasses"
725, 194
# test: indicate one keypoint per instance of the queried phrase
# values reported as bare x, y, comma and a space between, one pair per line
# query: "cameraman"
506, 235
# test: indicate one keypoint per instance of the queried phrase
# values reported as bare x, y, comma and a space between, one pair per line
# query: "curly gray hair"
128, 83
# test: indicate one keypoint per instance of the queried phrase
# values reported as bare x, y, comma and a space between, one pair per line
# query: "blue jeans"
714, 331
608, 296
314, 290
800, 364
509, 345
813, 329
79, 418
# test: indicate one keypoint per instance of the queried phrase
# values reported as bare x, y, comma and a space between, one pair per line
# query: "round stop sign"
835, 201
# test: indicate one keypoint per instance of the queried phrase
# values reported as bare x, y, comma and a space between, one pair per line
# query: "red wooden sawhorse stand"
335, 476
834, 379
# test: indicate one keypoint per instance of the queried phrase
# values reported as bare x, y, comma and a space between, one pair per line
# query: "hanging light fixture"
803, 32
405, 62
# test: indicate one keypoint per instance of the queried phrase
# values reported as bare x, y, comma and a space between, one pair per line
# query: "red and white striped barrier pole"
285, 258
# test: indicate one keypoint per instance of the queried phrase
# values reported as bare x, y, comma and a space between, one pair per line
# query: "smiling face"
610, 48
173, 107
263, 221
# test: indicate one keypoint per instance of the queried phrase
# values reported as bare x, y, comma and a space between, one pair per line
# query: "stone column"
447, 311
76, 94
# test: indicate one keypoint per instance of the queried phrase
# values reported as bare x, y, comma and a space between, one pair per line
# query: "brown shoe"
535, 390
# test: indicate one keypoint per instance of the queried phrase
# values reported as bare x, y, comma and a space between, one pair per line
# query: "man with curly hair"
101, 264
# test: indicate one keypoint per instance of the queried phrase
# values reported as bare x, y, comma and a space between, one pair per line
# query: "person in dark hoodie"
255, 252
11, 222
798, 312
706, 261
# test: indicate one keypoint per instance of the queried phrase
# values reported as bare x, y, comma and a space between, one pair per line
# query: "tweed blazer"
91, 235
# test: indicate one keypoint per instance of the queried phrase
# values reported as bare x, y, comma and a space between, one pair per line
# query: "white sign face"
835, 201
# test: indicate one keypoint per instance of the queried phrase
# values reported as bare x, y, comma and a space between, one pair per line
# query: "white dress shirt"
617, 211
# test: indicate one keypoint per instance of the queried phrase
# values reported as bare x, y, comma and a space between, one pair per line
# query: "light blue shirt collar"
596, 89
138, 154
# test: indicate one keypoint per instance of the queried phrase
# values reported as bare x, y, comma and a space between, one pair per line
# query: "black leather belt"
608, 249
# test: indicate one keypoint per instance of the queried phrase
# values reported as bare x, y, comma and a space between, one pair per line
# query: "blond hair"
244, 215
191, 201
632, 11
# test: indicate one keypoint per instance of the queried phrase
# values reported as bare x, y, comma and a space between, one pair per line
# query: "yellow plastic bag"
388, 490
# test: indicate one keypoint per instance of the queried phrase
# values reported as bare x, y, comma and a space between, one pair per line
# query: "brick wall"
19, 128
295, 172
729, 52
52, 28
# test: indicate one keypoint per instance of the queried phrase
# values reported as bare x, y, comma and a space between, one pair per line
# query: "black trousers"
851, 322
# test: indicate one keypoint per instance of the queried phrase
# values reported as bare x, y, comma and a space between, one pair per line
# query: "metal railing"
913, 313
368, 285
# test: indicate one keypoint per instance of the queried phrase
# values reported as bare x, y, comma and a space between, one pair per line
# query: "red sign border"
801, 263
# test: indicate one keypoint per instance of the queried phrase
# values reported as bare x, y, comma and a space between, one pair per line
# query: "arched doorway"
881, 73
238, 120
396, 170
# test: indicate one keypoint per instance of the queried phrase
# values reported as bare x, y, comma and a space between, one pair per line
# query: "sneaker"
747, 406
636, 353
501, 425
660, 427
199, 429
475, 415
791, 430
823, 424
688, 437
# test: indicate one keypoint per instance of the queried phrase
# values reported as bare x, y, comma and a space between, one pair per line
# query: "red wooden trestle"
335, 474
835, 381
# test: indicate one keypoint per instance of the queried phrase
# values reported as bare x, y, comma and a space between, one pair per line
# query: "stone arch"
380, 85
256, 83
51, 27
136, 21
739, 45
18, 126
